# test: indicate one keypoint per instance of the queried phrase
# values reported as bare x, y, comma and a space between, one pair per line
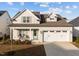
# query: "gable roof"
75, 22
2, 12
37, 14
18, 14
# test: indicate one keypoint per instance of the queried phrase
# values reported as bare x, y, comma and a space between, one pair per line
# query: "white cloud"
22, 3
55, 10
10, 3
44, 5
67, 7
75, 6
41, 3
68, 12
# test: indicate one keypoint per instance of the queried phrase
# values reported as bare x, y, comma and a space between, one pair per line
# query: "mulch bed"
22, 50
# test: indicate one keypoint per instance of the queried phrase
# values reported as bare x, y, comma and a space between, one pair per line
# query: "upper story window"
26, 19
58, 31
51, 18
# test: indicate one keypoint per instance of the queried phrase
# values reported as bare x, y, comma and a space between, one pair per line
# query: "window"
45, 31
64, 31
51, 31
28, 18
58, 31
51, 18
24, 19
34, 32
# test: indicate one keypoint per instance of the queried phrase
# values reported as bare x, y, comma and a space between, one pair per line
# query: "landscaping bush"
8, 41
27, 42
15, 42
74, 39
21, 42
18, 42
77, 39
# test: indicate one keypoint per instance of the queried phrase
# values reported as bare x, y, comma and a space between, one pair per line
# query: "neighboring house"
75, 23
41, 27
5, 21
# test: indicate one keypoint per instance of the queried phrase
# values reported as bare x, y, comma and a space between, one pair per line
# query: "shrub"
77, 39
15, 42
74, 39
27, 42
21, 42
7, 41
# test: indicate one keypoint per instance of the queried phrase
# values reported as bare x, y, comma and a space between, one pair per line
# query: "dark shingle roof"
37, 14
2, 12
61, 23
75, 22
18, 14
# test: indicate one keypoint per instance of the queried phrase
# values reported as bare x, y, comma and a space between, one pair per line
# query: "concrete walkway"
61, 49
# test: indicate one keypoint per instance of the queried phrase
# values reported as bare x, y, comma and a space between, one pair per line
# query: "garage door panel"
53, 36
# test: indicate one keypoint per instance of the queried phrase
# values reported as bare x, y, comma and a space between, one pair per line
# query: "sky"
70, 10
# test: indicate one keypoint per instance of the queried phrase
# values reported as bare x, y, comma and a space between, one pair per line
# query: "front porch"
23, 34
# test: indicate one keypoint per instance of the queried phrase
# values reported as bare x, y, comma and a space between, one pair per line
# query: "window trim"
28, 19
24, 20
58, 31
64, 31
51, 18
52, 31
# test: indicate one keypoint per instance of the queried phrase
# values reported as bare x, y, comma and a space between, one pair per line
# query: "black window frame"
35, 32
58, 31
28, 19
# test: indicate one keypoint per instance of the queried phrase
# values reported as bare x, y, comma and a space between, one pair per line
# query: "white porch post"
30, 34
40, 37
11, 33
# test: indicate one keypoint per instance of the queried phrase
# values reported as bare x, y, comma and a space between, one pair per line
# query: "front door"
35, 34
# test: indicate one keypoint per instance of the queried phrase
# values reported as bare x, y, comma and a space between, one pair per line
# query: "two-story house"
41, 27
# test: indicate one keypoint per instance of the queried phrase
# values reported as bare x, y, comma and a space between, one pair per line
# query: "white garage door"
56, 36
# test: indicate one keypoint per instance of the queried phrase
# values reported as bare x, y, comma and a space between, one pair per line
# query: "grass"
76, 41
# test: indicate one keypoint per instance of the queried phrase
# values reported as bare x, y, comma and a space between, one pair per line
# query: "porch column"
30, 34
40, 37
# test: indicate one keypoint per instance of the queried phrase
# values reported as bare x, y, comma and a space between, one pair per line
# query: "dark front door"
35, 34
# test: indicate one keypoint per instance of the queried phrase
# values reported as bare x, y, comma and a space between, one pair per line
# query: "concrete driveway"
61, 49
